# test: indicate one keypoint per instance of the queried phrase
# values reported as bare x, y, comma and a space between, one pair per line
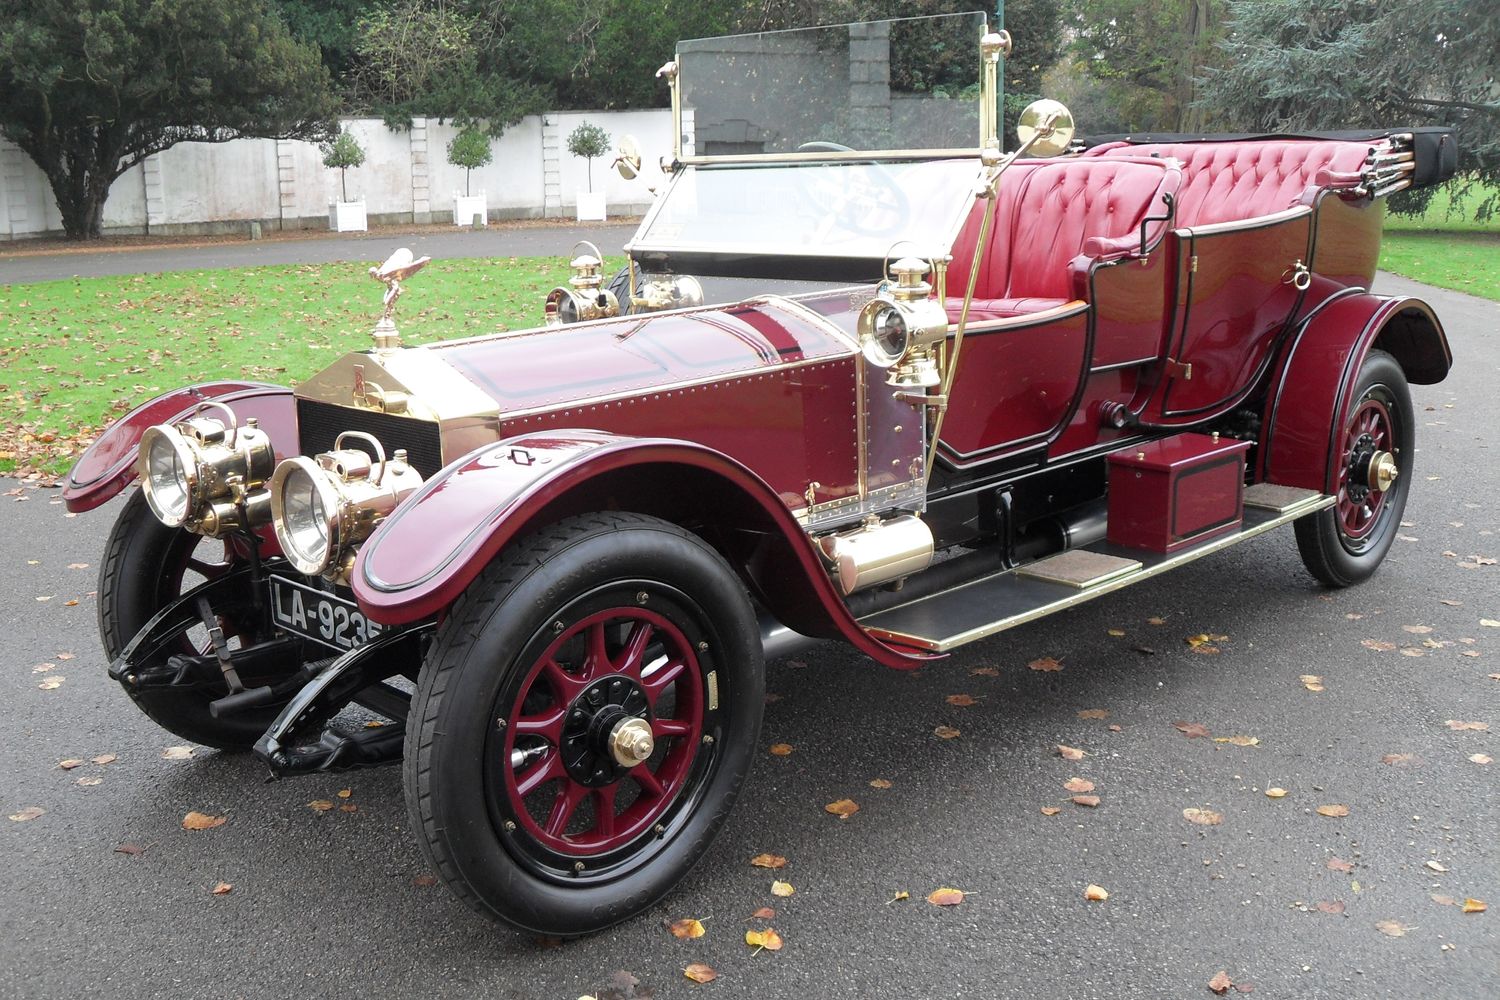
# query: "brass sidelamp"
584, 297
901, 328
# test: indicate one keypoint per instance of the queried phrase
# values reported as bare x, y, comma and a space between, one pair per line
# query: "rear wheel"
1344, 544
146, 566
583, 723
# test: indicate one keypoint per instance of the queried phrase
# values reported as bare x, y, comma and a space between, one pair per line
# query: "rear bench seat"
1054, 218
1234, 181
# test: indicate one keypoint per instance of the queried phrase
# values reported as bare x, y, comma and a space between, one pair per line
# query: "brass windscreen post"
993, 47
669, 71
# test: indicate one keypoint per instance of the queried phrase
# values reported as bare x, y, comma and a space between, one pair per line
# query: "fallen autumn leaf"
1192, 730
1096, 893
843, 808
781, 749
700, 973
1275, 793
768, 861
686, 928
1391, 928
960, 700
945, 732
767, 939
945, 896
1333, 811
782, 889
222, 889
880, 783
28, 814
1203, 817
202, 821
1070, 753
1475, 906
1045, 664
1078, 785
1220, 983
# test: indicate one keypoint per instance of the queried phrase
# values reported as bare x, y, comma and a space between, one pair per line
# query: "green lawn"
76, 353
1445, 246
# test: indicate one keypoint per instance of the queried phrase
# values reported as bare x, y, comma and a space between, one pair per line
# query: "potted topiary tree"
471, 150
341, 153
588, 141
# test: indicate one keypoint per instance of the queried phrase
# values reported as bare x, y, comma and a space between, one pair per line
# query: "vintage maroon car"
964, 391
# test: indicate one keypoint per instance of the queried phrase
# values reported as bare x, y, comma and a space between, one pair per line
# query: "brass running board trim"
1269, 496
960, 615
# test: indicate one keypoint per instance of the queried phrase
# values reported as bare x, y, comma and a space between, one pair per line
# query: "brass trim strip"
1315, 503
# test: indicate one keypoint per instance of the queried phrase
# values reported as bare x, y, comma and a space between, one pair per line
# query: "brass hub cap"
1382, 471
631, 741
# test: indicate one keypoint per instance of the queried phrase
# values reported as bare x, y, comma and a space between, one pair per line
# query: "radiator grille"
320, 423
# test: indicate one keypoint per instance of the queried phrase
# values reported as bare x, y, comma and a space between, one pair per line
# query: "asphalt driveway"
1288, 902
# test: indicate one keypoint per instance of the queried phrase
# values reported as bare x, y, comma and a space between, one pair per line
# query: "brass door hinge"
1179, 369
1193, 264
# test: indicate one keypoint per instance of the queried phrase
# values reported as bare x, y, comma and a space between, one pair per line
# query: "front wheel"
584, 722
1344, 544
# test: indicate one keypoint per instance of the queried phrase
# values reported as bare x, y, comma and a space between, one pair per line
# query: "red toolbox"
1169, 494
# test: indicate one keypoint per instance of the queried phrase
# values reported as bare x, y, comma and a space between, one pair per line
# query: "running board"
977, 610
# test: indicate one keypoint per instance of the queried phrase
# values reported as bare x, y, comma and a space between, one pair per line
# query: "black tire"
490, 660
619, 286
143, 570
1346, 543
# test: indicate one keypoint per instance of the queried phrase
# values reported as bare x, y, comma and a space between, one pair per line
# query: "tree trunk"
81, 189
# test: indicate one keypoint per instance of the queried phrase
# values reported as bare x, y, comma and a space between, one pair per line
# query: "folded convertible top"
1434, 145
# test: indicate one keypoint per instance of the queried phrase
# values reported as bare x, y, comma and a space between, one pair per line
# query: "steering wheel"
858, 197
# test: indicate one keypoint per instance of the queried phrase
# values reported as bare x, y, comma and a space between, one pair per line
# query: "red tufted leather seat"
1053, 218
1231, 181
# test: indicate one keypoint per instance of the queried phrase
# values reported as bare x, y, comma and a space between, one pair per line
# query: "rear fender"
435, 544
1309, 396
108, 466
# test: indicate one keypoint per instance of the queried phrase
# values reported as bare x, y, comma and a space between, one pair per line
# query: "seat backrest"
1236, 180
1047, 210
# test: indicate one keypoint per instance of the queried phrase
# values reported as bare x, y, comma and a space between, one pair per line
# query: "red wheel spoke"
548, 725
563, 807
543, 771
632, 657
564, 685
604, 810
671, 727
650, 784
659, 681
597, 661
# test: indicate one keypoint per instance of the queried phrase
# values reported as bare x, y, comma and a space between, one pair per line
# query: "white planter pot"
347, 216
591, 206
470, 210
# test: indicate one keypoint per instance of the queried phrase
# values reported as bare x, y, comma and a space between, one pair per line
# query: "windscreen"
909, 83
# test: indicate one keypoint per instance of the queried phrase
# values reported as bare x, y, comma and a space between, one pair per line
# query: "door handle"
1298, 276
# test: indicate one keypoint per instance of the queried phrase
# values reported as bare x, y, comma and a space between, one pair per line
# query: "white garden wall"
406, 177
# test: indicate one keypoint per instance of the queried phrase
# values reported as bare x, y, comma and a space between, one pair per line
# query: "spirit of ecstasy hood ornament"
400, 266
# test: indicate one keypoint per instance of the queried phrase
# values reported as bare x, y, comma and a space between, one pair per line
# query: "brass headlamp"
205, 474
584, 297
902, 326
322, 507
659, 292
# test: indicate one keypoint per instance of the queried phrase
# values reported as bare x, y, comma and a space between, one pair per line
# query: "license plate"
320, 617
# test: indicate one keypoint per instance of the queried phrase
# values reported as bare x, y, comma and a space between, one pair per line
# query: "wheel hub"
631, 741
607, 731
1381, 472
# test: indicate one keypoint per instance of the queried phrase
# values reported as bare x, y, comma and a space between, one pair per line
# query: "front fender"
1309, 402
435, 544
108, 465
